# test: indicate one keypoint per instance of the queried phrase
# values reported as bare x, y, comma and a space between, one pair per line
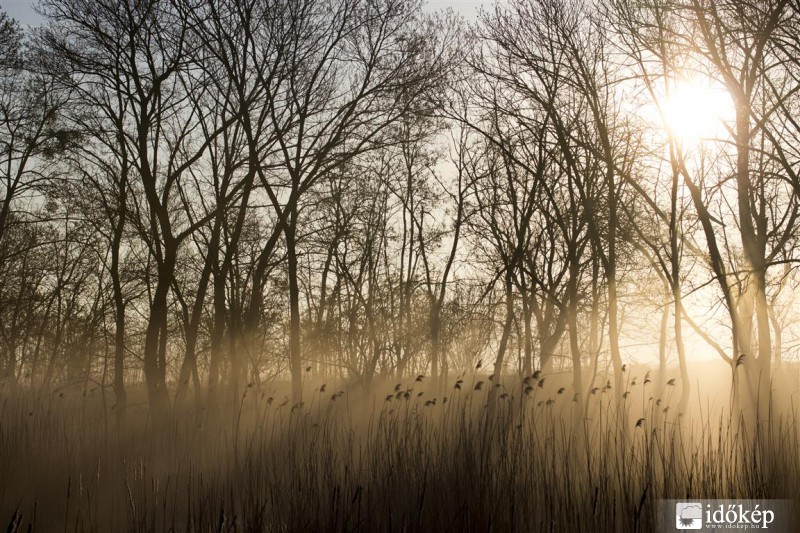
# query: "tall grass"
401, 458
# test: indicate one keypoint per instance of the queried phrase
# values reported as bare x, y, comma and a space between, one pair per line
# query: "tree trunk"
120, 394
499, 362
527, 317
295, 362
435, 327
683, 405
759, 373
764, 367
662, 343
217, 333
155, 340
613, 329
574, 345
189, 365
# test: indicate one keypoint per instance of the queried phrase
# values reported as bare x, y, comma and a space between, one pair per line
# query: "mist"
339, 265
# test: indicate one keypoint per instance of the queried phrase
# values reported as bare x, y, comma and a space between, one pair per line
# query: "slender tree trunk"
759, 371
574, 345
662, 341
499, 362
189, 364
155, 340
777, 346
549, 340
320, 341
295, 353
120, 395
217, 333
675, 284
527, 317
683, 405
764, 366
613, 329
435, 326
10, 374
252, 315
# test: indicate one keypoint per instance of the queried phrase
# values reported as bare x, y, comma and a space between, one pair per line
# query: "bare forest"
363, 265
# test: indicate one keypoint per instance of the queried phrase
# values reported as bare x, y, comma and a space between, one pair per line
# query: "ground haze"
367, 265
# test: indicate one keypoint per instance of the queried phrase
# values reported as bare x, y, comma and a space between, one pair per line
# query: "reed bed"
468, 456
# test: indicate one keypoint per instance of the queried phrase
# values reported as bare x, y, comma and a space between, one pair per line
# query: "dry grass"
387, 461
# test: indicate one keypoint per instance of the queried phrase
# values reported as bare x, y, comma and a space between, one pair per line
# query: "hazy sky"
22, 10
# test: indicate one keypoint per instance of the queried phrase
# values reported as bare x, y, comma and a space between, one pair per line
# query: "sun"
696, 109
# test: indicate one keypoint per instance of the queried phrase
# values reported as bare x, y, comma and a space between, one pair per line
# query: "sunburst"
695, 109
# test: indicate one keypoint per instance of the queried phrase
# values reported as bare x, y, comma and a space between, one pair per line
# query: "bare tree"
351, 69
137, 54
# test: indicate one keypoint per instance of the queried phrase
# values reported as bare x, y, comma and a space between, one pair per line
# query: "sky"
468, 9
23, 11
